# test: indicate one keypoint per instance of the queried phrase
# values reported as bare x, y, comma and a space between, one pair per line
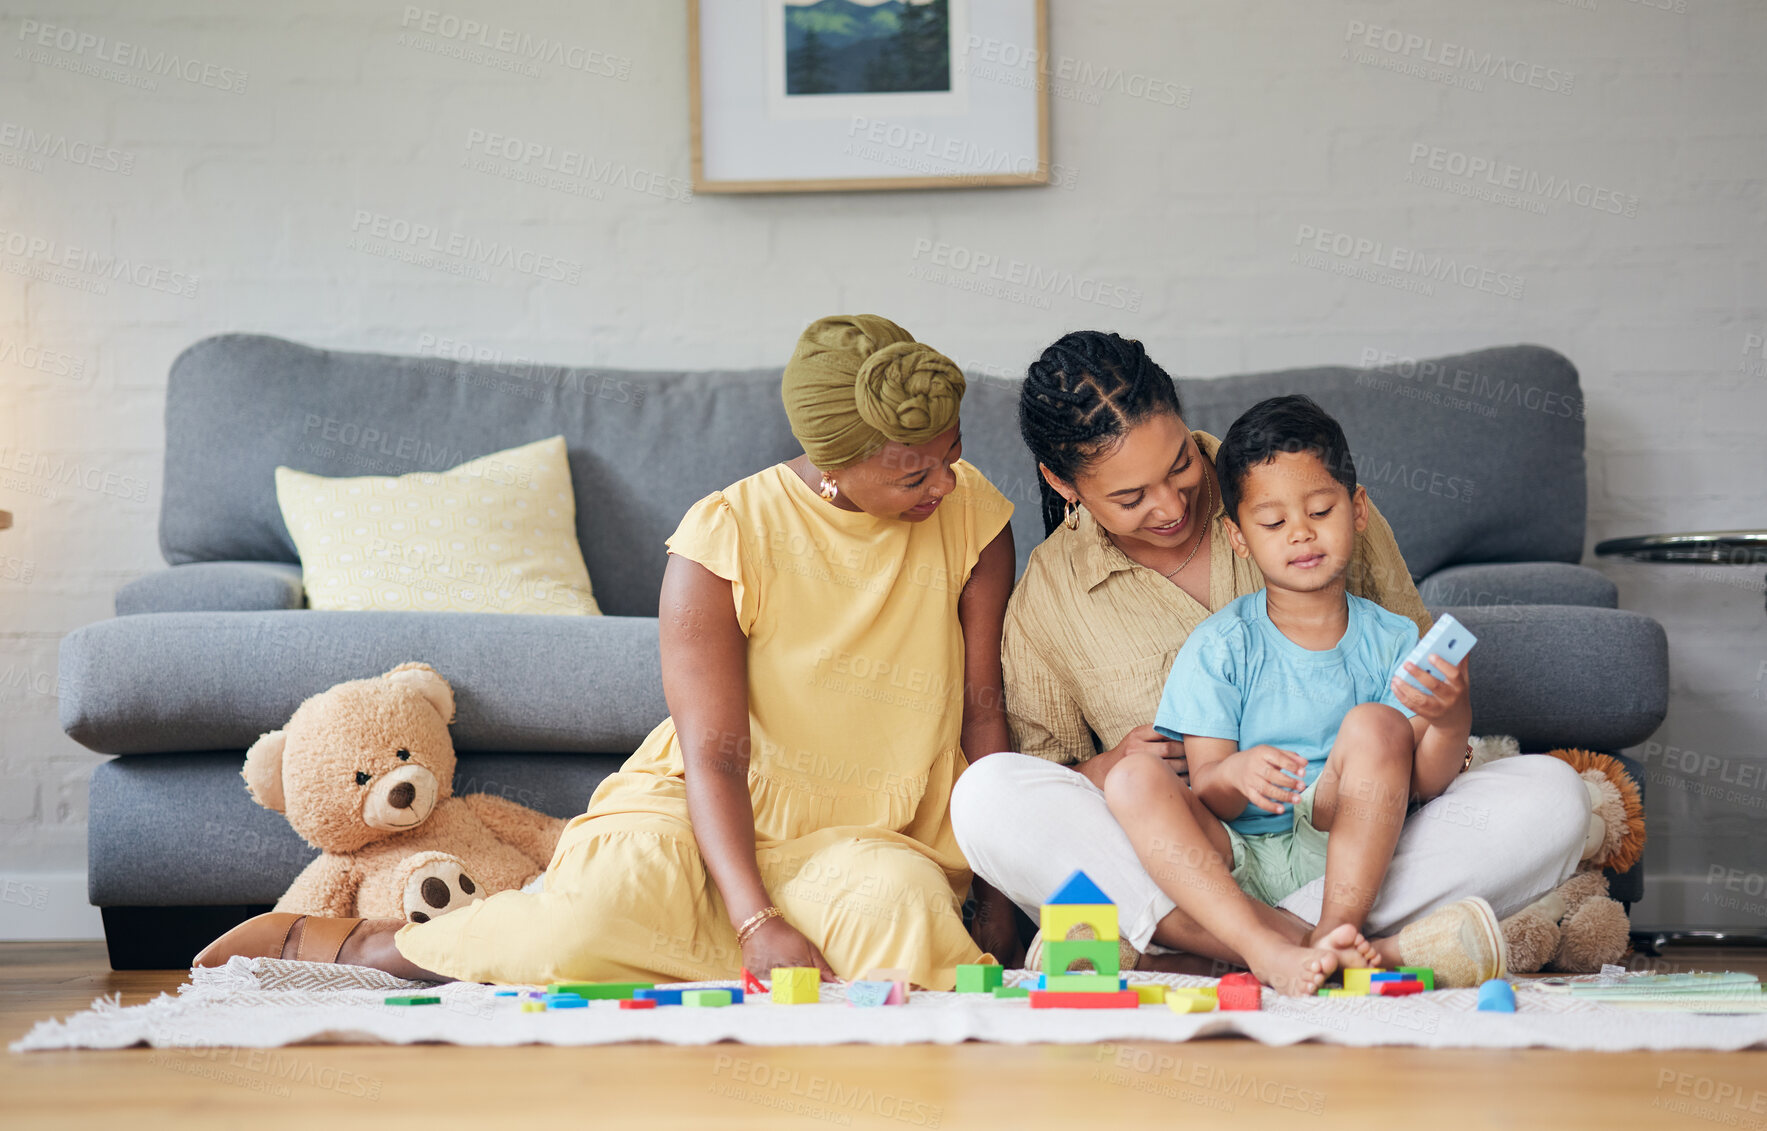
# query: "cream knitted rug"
264, 1002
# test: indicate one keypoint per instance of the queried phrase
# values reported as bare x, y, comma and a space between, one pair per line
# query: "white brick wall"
249, 199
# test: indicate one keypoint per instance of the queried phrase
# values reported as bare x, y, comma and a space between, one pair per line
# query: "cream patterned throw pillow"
497, 534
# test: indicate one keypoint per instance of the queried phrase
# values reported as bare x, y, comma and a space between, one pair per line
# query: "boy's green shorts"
1270, 866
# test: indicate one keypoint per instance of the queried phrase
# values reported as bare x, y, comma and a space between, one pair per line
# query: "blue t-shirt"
1239, 677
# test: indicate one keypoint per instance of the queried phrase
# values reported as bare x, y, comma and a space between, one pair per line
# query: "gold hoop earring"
829, 488
1071, 520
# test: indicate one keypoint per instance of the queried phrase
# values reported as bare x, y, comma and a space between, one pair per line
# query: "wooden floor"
1150, 1085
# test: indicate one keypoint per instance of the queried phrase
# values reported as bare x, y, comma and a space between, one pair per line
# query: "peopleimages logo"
1405, 264
1451, 59
1505, 177
394, 237
516, 46
1014, 279
100, 49
85, 269
59, 147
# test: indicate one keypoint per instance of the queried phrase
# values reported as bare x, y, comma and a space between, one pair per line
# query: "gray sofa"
202, 657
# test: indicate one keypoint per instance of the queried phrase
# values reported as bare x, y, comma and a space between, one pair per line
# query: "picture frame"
866, 95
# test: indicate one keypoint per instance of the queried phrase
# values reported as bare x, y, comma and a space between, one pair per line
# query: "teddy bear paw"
438, 886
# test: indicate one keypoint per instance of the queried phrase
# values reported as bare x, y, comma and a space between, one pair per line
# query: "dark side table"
1715, 547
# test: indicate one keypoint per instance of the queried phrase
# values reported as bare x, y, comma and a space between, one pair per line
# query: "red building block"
1055, 999
637, 1003
1239, 991
751, 984
1397, 989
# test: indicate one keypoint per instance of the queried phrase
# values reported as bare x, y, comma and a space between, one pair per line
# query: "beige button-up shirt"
1091, 635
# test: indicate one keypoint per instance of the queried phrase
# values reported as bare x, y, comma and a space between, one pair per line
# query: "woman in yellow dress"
830, 634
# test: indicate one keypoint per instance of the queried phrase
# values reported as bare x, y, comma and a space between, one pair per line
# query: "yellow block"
533, 1007
797, 985
1057, 918
1150, 993
1180, 1002
1356, 978
1344, 993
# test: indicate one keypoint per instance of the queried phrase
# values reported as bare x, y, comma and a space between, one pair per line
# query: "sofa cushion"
162, 682
213, 587
1519, 583
1477, 457
496, 534
1560, 675
1472, 458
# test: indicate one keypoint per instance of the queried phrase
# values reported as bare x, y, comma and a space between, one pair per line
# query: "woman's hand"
777, 943
1266, 776
1142, 739
1447, 703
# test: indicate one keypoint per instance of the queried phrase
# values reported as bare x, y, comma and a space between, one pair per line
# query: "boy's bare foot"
1345, 941
1290, 970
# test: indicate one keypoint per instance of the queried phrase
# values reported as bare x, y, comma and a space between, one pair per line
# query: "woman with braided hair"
830, 634
1136, 557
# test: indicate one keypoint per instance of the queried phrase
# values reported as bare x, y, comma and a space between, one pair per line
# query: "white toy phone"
1447, 638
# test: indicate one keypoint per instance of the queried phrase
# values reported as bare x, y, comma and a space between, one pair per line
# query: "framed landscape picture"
819, 95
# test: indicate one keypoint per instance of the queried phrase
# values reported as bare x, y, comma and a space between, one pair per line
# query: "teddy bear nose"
402, 795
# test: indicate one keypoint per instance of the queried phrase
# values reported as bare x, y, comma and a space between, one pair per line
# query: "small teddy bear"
364, 772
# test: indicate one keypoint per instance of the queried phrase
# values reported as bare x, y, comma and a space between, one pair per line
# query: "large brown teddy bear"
365, 773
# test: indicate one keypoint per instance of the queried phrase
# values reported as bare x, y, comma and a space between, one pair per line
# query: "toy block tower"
1079, 901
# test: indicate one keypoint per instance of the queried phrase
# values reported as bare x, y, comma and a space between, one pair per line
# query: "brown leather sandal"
264, 936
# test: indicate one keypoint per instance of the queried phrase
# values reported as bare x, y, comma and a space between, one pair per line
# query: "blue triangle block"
1078, 888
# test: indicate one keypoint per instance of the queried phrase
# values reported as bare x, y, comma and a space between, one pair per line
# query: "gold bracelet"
753, 923
1466, 761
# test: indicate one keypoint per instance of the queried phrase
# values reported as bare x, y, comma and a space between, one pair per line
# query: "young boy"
1293, 718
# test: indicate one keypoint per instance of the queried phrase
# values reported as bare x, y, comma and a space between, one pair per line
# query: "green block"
711, 998
599, 991
1083, 983
978, 979
1424, 975
413, 999
1011, 991
1102, 953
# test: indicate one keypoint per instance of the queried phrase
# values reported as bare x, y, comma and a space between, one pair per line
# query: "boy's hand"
1447, 702
1266, 776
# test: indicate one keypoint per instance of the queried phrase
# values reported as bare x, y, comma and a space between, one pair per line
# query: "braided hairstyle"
1079, 399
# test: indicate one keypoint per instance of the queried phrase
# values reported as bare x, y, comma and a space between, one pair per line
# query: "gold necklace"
1200, 536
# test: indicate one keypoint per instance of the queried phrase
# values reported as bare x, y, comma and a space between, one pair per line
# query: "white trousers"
1510, 831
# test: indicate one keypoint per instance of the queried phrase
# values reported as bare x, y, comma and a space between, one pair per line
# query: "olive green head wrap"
857, 381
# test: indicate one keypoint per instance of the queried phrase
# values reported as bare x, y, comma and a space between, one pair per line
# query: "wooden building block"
1081, 984
599, 991
1239, 996
979, 978
1061, 954
1356, 978
1120, 999
797, 985
1056, 919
